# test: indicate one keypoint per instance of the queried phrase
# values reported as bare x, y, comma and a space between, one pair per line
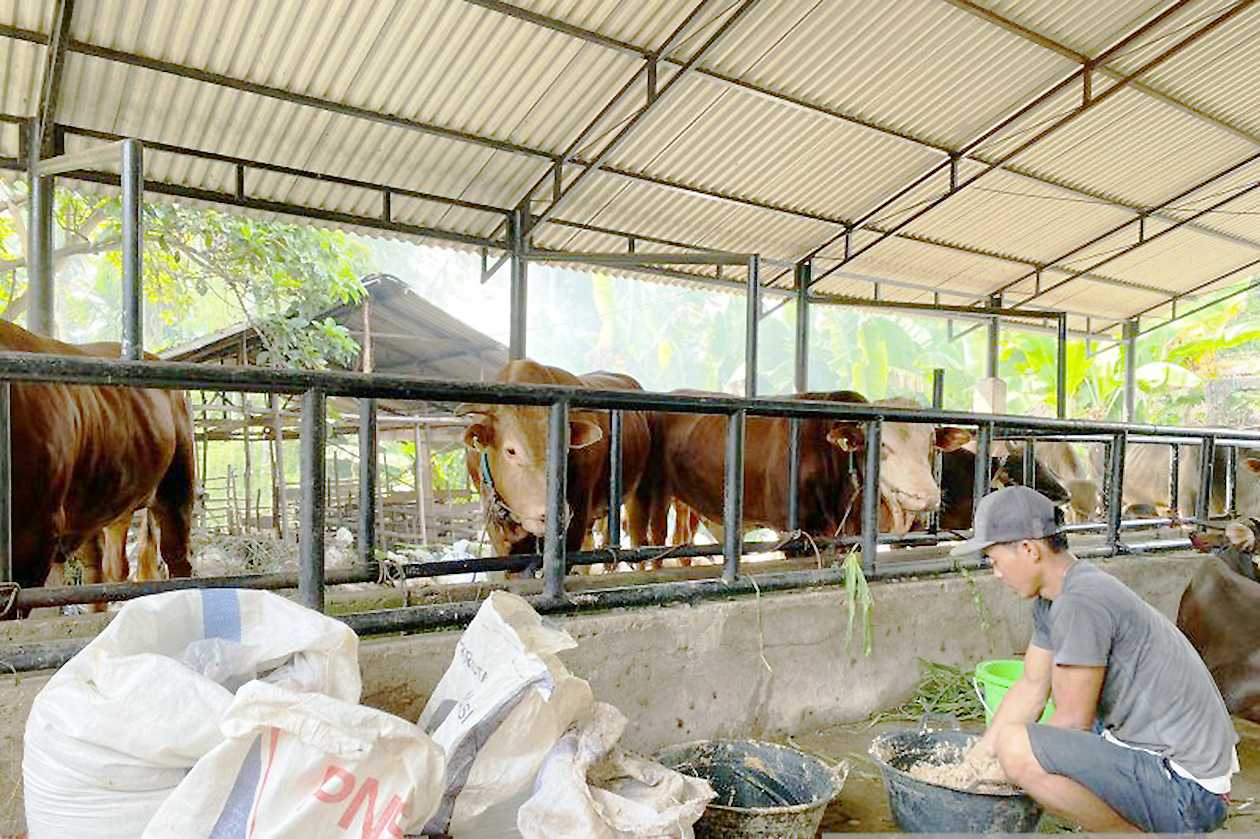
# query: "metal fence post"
984, 465
870, 495
733, 497
1207, 453
1231, 481
133, 249
1115, 489
614, 479
794, 473
367, 481
6, 485
1030, 462
938, 457
1174, 479
557, 499
311, 563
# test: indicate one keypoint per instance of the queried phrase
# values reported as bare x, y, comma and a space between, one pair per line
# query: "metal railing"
316, 386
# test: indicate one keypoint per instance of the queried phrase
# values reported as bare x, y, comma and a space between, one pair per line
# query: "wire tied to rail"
8, 598
390, 571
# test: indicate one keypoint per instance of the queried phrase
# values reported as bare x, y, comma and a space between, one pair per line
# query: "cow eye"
511, 452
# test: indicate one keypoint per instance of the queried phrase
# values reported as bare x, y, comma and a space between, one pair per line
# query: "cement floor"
863, 805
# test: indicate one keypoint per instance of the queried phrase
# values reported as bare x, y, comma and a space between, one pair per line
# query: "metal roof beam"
654, 101
1182, 295
54, 65
1080, 58
1142, 238
832, 114
1089, 104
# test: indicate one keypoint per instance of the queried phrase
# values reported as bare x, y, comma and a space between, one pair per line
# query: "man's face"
1017, 565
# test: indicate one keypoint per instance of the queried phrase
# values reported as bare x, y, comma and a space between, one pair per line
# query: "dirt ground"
863, 805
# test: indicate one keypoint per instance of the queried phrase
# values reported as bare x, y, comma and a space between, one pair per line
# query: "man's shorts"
1138, 785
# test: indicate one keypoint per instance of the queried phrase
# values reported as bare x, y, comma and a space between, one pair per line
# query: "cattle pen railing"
316, 386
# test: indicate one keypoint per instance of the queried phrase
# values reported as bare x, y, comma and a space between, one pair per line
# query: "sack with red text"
308, 765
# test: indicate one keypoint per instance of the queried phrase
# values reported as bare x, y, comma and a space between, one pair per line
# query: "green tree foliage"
203, 269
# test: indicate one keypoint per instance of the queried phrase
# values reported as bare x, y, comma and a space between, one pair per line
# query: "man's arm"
1026, 699
1076, 692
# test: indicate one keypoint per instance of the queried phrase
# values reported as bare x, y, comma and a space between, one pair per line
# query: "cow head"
906, 485
513, 439
1235, 544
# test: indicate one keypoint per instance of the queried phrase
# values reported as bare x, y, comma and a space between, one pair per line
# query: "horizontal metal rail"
37, 367
316, 386
46, 655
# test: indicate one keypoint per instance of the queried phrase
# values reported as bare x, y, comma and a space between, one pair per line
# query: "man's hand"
982, 762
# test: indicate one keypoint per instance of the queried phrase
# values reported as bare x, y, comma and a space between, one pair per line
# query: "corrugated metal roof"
760, 151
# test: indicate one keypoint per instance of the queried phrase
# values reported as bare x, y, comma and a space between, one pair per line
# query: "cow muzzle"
536, 525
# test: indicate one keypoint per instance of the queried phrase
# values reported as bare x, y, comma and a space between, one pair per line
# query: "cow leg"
173, 506
113, 547
148, 564
94, 560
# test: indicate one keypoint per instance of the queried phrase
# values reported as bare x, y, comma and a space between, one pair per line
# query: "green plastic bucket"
993, 679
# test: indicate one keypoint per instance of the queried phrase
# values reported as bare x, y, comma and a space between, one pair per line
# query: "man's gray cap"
1010, 515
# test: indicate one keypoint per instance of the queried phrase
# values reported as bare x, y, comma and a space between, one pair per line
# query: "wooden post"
281, 512
423, 467
336, 482
234, 510
249, 466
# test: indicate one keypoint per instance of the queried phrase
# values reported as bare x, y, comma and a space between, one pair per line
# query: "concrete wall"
744, 667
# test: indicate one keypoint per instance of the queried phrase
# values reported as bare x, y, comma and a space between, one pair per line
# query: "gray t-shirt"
1157, 694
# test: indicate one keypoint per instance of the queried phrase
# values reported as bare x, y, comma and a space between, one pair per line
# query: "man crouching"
1140, 738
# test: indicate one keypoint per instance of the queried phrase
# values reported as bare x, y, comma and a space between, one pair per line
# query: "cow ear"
1240, 536
1252, 463
846, 436
480, 434
949, 438
583, 433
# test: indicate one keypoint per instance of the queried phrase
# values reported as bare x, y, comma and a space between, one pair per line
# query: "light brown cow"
1146, 468
86, 456
689, 455
506, 457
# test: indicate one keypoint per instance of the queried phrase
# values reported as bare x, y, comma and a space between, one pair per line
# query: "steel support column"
995, 337
311, 532
133, 250
794, 474
1061, 371
557, 504
40, 275
1130, 369
752, 311
801, 355
367, 481
733, 496
520, 285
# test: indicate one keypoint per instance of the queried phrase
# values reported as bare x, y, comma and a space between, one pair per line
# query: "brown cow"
105, 555
1218, 611
506, 457
958, 484
689, 455
86, 456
